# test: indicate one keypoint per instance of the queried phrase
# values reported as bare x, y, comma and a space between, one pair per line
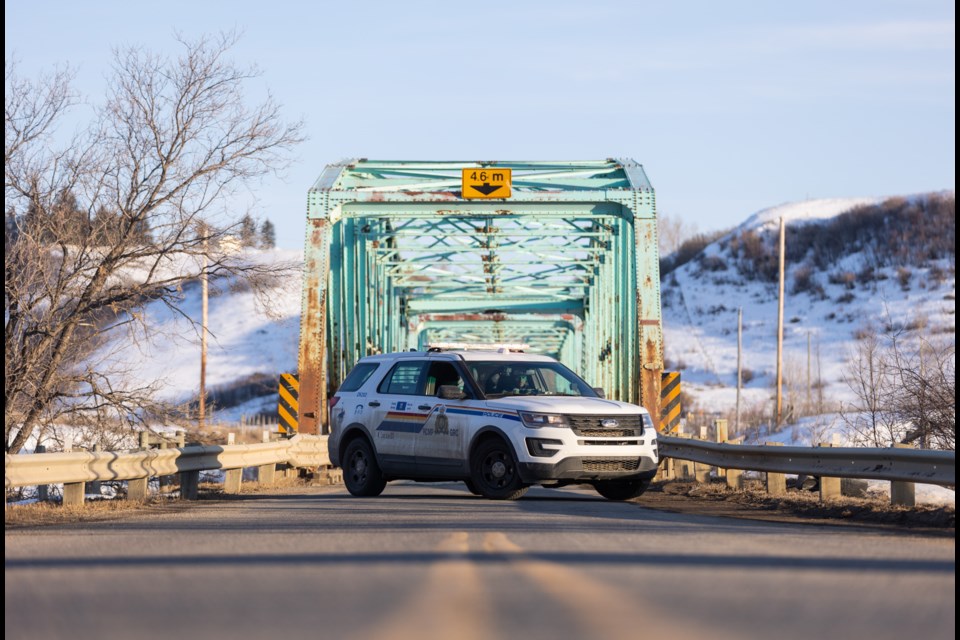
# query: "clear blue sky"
730, 106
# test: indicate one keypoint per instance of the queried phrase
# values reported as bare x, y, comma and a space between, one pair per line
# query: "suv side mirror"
451, 392
599, 391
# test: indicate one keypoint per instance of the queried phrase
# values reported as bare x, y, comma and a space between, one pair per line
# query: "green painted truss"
396, 259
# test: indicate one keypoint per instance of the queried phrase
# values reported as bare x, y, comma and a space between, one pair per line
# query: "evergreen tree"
248, 231
268, 235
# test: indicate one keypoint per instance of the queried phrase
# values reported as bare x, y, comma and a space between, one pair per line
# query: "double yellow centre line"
452, 602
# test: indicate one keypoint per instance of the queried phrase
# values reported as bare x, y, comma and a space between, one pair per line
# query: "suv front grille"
611, 464
607, 433
628, 426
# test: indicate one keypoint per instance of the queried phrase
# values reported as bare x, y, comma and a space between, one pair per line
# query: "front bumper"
583, 468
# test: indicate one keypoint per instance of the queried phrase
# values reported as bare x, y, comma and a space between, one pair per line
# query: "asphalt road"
433, 561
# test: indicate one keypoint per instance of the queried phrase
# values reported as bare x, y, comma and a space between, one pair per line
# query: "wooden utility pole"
819, 381
204, 295
736, 424
783, 233
809, 384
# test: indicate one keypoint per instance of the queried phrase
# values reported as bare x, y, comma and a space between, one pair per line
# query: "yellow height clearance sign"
489, 183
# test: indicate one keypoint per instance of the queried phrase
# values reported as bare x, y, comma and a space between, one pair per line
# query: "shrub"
804, 280
687, 251
846, 278
867, 275
903, 277
712, 263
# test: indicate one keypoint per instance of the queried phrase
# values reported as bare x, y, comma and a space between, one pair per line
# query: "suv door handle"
374, 404
424, 407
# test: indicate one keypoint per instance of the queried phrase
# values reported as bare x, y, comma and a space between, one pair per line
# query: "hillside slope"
834, 295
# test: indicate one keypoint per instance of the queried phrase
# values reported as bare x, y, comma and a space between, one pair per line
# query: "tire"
472, 488
621, 489
361, 473
494, 472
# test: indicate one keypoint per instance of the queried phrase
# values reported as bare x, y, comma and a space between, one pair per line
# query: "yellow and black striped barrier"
669, 401
289, 405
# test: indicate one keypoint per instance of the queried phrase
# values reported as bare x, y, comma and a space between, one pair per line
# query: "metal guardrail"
895, 464
77, 467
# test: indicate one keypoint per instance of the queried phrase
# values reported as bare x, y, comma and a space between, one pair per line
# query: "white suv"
498, 420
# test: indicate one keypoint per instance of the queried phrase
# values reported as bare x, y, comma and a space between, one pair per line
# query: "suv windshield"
499, 379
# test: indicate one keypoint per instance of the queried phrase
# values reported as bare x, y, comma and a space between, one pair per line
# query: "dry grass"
807, 505
53, 513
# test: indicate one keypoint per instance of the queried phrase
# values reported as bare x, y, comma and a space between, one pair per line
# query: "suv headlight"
538, 420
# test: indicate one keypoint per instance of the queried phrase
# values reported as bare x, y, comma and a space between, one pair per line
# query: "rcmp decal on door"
401, 419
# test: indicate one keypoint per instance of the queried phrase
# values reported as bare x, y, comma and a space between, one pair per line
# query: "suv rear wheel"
621, 489
494, 471
361, 473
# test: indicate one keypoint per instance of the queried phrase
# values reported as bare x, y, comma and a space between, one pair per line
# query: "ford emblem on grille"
609, 424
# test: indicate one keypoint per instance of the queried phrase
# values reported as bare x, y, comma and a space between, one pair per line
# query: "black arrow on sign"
486, 189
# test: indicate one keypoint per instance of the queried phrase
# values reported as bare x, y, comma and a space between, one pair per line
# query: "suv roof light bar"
499, 347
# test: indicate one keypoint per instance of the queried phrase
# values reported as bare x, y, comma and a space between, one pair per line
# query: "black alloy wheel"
361, 473
494, 471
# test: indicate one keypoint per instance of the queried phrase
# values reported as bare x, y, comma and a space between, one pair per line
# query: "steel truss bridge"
397, 259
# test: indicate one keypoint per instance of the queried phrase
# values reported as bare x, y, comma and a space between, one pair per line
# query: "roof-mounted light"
500, 347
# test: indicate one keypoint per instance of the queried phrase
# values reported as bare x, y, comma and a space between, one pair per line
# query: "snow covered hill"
827, 307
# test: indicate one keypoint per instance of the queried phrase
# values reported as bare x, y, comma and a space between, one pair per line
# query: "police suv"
499, 420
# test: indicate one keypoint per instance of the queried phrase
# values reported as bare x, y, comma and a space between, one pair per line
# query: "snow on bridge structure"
398, 257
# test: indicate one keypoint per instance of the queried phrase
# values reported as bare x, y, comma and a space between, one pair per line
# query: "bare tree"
672, 231
905, 385
924, 395
869, 420
151, 174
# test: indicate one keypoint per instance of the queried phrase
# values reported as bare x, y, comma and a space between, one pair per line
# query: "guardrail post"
903, 493
666, 469
701, 472
95, 484
164, 481
232, 479
73, 493
266, 473
776, 482
43, 490
829, 487
181, 438
189, 485
734, 476
720, 430
697, 470
138, 489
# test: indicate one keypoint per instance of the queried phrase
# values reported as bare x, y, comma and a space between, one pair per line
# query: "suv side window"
441, 374
403, 379
360, 374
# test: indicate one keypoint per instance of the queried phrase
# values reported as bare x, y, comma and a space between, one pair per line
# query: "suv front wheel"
361, 473
494, 471
621, 489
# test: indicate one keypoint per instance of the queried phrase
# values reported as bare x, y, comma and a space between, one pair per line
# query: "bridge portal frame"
377, 231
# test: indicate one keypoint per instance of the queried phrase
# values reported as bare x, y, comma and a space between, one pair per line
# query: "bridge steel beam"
396, 258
